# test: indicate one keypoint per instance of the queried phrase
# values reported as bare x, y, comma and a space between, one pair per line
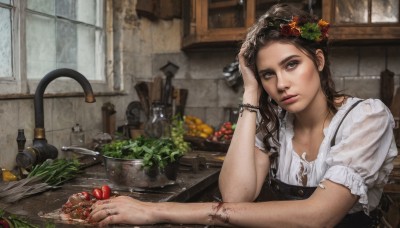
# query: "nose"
282, 82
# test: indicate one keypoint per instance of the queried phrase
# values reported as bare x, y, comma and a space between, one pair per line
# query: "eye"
267, 74
292, 64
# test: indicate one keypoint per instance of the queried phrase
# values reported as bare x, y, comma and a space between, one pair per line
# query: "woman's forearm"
266, 214
238, 178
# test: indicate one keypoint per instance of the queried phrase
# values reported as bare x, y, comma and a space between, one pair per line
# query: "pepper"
8, 176
97, 193
106, 191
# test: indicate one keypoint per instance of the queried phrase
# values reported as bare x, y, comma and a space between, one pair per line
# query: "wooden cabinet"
368, 20
211, 23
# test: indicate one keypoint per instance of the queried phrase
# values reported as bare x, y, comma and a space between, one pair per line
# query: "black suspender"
337, 129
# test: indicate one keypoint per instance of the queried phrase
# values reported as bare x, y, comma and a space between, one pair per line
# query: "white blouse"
361, 158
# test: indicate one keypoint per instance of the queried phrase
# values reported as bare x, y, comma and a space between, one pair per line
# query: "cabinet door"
217, 21
362, 19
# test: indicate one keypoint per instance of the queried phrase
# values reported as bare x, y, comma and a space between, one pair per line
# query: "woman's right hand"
122, 210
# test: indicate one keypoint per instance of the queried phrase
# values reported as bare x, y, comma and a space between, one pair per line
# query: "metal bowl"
132, 173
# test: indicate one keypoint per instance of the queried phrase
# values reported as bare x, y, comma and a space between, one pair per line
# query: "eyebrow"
285, 60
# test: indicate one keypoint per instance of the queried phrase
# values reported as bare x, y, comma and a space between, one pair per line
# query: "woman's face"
289, 76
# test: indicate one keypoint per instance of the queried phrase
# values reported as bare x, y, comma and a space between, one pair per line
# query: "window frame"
20, 86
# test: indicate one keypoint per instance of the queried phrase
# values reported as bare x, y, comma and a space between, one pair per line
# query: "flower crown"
301, 27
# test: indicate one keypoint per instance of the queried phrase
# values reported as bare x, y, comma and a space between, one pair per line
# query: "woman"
334, 151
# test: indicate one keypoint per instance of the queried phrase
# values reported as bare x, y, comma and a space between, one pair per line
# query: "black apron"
283, 191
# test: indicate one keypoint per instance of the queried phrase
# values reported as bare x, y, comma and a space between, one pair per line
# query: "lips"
289, 99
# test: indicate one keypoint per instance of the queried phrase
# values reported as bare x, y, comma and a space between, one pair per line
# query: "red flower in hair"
306, 29
286, 30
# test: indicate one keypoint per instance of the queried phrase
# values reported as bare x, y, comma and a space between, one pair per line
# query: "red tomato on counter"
86, 195
97, 193
106, 191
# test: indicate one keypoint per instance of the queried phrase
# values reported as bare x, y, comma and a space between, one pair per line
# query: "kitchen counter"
189, 186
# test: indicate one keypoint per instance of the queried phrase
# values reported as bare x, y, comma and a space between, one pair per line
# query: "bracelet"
248, 107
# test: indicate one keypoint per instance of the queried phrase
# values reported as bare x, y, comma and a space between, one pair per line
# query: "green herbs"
14, 221
44, 176
55, 172
154, 152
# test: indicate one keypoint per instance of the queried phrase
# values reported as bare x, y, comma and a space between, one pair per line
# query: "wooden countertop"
188, 185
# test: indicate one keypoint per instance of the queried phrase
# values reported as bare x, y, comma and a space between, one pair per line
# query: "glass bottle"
77, 137
158, 125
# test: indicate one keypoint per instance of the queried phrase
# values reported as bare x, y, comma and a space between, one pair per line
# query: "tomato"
228, 132
228, 125
4, 223
106, 191
97, 193
86, 195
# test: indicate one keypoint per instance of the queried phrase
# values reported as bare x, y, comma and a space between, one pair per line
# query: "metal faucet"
41, 150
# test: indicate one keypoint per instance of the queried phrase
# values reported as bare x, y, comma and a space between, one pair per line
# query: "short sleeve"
364, 151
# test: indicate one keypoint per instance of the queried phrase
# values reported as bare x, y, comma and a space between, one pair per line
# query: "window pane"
5, 43
351, 11
86, 11
41, 51
66, 44
5, 1
99, 12
385, 11
100, 56
66, 8
86, 51
44, 6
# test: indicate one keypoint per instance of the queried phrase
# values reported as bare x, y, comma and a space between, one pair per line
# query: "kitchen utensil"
109, 118
128, 172
181, 101
143, 92
169, 70
156, 90
232, 75
133, 112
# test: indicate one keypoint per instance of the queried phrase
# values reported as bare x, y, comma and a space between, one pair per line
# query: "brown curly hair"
261, 34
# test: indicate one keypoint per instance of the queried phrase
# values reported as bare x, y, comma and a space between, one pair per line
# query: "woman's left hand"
121, 210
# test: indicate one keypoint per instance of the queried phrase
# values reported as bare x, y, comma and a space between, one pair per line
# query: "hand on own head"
250, 83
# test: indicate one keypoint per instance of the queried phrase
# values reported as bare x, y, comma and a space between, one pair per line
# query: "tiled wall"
142, 47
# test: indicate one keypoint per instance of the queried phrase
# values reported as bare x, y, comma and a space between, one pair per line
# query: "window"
366, 11
38, 36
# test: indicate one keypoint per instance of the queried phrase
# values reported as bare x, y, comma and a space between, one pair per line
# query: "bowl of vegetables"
221, 139
142, 162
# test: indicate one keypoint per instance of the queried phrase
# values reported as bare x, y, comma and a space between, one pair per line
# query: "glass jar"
158, 125
77, 136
